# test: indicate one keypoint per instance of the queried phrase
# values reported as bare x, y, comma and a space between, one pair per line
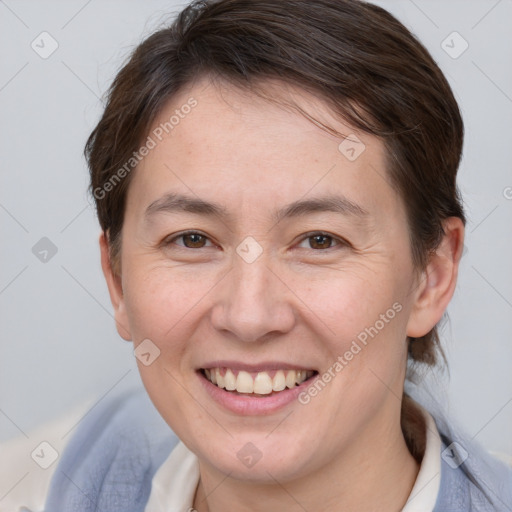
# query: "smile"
263, 383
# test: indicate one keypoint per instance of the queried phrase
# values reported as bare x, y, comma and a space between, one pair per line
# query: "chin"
260, 460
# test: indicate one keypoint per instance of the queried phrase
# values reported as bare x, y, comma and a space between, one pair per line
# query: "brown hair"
357, 57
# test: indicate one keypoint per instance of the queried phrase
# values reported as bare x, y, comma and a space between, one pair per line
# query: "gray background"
59, 346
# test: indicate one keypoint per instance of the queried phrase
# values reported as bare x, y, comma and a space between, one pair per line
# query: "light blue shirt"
117, 449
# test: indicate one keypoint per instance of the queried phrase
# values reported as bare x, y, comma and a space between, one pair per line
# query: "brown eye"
190, 240
320, 241
194, 240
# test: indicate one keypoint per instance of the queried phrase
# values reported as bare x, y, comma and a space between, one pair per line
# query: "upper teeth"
261, 383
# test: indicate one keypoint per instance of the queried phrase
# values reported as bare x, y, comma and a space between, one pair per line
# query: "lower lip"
252, 405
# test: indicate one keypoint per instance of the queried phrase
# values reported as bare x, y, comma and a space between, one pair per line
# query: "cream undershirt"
174, 484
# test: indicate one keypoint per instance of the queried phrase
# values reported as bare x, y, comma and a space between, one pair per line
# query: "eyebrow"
176, 203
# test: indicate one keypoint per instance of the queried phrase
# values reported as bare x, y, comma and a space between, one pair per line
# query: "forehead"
241, 151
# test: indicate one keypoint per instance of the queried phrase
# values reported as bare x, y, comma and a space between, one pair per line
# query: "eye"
319, 240
191, 240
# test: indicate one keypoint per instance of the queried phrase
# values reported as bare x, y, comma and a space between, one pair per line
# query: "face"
258, 252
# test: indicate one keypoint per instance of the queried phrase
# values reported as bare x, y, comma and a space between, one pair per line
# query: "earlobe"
115, 290
438, 280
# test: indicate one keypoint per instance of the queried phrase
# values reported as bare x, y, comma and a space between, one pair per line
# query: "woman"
281, 233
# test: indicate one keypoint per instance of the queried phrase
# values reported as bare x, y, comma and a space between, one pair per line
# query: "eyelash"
339, 241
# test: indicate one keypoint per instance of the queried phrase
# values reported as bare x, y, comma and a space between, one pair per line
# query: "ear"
115, 289
438, 280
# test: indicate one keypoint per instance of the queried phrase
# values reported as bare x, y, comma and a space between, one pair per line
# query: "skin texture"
298, 302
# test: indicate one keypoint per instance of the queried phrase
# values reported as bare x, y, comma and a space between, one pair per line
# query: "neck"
369, 475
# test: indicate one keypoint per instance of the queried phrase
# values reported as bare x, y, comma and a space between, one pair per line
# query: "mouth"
257, 383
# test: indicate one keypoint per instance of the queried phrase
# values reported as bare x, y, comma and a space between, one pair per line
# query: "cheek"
349, 302
161, 302
365, 315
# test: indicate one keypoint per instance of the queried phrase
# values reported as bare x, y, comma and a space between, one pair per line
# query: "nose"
254, 303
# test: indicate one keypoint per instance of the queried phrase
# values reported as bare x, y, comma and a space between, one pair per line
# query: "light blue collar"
110, 462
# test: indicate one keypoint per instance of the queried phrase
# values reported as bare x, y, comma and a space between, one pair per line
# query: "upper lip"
255, 367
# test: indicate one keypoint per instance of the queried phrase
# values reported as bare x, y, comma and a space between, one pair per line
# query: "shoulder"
28, 461
112, 457
471, 478
99, 451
